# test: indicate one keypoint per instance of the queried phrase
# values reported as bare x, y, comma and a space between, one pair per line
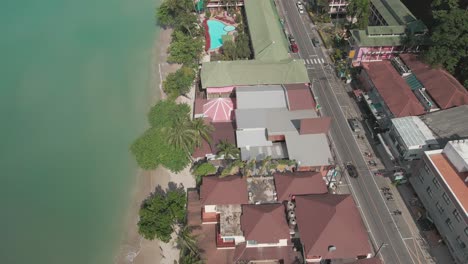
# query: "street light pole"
381, 246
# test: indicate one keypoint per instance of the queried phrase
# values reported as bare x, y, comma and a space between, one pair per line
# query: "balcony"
375, 107
220, 243
209, 217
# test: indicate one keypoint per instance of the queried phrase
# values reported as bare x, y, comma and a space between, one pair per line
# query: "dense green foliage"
160, 212
153, 148
184, 49
169, 10
229, 50
449, 39
165, 112
202, 130
202, 170
227, 150
179, 82
360, 10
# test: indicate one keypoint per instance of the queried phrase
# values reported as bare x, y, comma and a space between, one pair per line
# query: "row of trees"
171, 138
186, 44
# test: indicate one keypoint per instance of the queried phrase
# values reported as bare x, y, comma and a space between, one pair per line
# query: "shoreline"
133, 249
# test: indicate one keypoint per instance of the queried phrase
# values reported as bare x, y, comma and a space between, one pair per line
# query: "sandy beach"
134, 249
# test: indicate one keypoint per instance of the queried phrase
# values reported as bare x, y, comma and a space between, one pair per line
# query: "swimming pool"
217, 30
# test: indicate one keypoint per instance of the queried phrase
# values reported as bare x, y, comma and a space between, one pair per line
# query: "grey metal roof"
275, 120
276, 151
252, 137
309, 150
448, 124
413, 131
261, 96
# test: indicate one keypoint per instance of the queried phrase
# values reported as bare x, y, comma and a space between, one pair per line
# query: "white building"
409, 137
441, 183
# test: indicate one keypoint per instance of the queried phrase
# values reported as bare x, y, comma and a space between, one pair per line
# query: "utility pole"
381, 246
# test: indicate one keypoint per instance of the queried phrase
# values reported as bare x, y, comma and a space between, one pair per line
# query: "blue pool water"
217, 30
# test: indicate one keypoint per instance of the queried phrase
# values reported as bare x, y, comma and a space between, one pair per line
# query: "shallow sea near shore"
77, 81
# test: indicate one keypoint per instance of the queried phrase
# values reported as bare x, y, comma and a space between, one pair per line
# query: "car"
300, 7
354, 124
294, 48
351, 169
316, 42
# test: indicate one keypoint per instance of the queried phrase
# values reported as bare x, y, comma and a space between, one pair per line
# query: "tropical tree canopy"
179, 82
181, 135
202, 170
202, 130
449, 39
360, 10
228, 150
165, 112
184, 49
160, 212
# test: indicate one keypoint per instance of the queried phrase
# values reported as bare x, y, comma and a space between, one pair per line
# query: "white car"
300, 7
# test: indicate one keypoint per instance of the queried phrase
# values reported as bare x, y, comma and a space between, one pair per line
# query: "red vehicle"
294, 48
292, 41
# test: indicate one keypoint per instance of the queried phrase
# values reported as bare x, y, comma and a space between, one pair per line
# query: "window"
460, 242
446, 198
426, 168
421, 178
466, 231
449, 223
251, 242
413, 155
440, 208
429, 191
436, 183
457, 215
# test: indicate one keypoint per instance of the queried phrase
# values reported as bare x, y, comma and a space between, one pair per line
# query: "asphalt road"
383, 227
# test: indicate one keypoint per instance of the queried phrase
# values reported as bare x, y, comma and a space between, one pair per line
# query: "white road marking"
321, 59
315, 62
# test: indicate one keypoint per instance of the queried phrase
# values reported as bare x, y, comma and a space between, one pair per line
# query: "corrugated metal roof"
272, 96
252, 72
268, 40
413, 131
252, 137
310, 150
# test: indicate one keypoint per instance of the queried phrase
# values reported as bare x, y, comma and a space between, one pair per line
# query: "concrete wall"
442, 208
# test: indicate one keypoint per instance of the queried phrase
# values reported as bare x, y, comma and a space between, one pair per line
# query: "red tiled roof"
446, 91
264, 223
393, 89
227, 190
222, 131
454, 179
198, 106
325, 220
243, 253
298, 183
319, 125
300, 97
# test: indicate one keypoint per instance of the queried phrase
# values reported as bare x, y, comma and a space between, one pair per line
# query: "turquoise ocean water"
74, 89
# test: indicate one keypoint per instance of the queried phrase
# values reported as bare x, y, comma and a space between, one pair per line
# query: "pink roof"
446, 91
219, 109
226, 89
393, 89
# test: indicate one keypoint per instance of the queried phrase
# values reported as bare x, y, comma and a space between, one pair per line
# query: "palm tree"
265, 165
227, 149
181, 135
202, 131
185, 240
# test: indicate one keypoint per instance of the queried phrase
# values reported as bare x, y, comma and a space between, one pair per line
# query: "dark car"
316, 42
351, 169
354, 124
